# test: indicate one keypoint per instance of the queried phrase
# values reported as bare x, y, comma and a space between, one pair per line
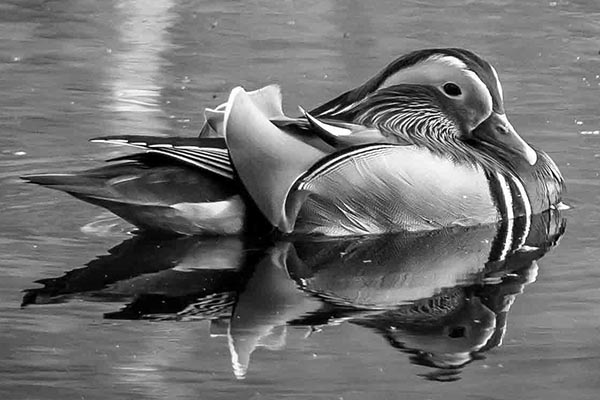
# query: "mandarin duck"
425, 144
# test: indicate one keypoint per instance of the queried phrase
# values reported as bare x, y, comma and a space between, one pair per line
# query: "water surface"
73, 70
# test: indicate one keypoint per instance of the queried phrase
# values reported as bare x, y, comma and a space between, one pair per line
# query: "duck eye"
452, 89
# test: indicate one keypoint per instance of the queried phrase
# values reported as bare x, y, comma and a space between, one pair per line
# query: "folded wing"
209, 154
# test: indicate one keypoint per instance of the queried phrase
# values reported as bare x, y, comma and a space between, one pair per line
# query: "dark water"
182, 318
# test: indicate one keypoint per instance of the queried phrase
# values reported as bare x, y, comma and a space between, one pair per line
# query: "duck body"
397, 158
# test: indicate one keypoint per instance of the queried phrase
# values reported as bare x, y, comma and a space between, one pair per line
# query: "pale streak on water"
72, 70
136, 80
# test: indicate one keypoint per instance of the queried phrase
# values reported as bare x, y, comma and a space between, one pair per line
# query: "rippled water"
185, 318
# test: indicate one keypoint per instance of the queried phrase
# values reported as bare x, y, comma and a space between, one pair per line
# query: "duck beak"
497, 131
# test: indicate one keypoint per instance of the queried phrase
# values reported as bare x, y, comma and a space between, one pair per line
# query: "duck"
423, 145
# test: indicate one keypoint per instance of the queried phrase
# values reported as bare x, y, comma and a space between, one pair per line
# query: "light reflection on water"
136, 82
72, 70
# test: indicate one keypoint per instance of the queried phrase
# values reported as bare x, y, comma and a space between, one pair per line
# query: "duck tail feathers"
70, 183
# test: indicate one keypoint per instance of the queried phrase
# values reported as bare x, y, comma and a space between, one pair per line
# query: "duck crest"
415, 59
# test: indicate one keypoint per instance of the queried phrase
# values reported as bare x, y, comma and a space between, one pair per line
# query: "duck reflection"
440, 297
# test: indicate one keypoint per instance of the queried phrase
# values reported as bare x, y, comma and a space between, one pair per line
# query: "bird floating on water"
425, 144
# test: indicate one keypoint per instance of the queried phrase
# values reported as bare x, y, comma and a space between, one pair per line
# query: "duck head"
470, 91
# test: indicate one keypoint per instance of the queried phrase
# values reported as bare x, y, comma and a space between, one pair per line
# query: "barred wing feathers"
210, 154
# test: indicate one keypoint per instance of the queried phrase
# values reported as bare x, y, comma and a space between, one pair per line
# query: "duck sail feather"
277, 161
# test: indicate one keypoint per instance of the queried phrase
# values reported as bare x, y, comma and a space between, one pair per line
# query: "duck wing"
157, 193
267, 100
337, 133
209, 154
268, 159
